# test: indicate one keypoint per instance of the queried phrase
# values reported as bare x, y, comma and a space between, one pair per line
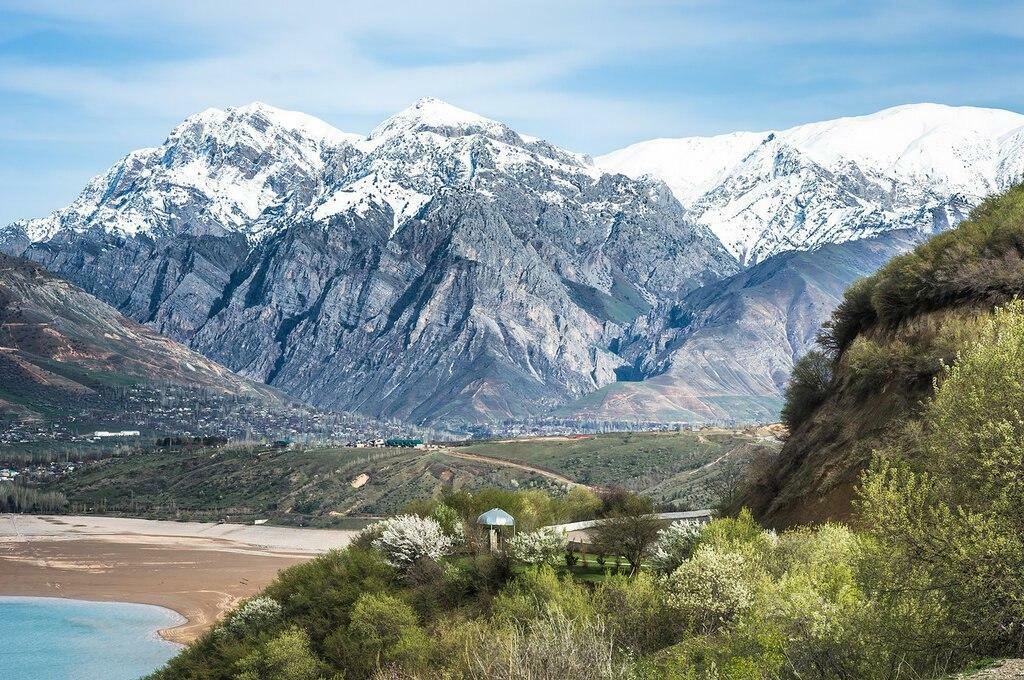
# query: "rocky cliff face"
725, 351
58, 344
443, 268
446, 268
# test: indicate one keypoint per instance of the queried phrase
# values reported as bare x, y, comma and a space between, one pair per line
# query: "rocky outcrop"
725, 351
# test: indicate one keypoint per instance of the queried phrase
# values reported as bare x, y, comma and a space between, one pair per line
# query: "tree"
404, 539
542, 546
630, 531
807, 388
675, 545
285, 657
946, 500
711, 590
384, 630
254, 616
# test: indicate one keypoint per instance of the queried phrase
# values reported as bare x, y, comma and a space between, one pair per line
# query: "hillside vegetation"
682, 470
881, 355
928, 581
321, 486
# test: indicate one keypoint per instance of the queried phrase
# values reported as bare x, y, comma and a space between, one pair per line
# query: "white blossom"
675, 545
403, 539
538, 547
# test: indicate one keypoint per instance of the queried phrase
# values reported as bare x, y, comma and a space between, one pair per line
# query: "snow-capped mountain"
920, 167
443, 267
448, 268
239, 170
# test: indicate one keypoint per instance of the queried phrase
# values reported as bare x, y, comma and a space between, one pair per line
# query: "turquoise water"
43, 638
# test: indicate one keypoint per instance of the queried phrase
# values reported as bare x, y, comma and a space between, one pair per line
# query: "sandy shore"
197, 569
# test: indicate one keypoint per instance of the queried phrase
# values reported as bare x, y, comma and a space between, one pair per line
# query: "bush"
807, 388
946, 503
854, 314
404, 539
531, 593
318, 595
713, 590
980, 261
383, 632
637, 617
675, 545
254, 616
450, 522
554, 645
285, 657
542, 546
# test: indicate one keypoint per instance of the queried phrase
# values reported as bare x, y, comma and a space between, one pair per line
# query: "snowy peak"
919, 166
430, 114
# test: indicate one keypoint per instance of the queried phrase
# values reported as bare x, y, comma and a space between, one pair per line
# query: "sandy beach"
199, 570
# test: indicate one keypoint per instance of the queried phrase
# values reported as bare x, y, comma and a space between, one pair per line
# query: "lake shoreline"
164, 634
197, 570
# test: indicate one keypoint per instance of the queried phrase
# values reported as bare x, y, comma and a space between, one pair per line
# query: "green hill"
880, 356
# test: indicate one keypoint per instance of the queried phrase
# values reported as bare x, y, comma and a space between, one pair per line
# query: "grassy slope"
911, 315
312, 486
670, 467
301, 486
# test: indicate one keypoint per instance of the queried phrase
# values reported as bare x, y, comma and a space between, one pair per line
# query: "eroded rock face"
725, 351
444, 268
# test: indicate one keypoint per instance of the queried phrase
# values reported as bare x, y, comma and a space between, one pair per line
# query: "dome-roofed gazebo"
494, 519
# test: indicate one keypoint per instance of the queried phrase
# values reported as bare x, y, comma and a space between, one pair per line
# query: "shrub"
554, 645
807, 388
675, 545
854, 314
450, 522
254, 616
404, 539
542, 546
529, 595
383, 631
947, 503
637, 617
318, 595
285, 657
980, 261
712, 590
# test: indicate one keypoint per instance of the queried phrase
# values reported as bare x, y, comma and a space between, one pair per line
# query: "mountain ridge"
442, 267
446, 267
918, 166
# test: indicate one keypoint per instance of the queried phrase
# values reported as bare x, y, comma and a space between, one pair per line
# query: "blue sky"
82, 83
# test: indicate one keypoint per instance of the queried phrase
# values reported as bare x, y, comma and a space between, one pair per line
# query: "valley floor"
199, 570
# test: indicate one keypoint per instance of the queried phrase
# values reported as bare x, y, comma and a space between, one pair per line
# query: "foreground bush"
948, 498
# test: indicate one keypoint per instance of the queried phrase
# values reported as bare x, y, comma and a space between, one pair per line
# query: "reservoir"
47, 638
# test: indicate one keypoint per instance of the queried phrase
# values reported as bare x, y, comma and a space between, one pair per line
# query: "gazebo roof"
496, 517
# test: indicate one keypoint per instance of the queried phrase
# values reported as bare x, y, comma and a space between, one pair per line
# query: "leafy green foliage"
980, 261
807, 388
948, 496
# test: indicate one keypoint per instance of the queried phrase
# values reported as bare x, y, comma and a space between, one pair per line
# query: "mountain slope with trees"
881, 356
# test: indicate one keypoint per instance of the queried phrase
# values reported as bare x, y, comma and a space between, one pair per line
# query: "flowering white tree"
538, 547
675, 545
253, 616
406, 538
712, 589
